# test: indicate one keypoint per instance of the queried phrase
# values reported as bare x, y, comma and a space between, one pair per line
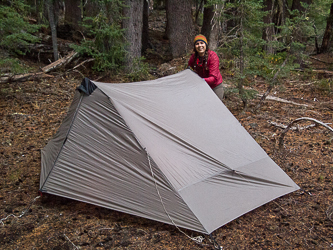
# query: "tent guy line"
197, 239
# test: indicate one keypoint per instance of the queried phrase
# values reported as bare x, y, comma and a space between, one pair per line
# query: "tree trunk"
73, 13
145, 28
181, 27
298, 6
241, 60
268, 31
133, 31
92, 8
49, 6
167, 30
328, 32
198, 9
210, 26
232, 17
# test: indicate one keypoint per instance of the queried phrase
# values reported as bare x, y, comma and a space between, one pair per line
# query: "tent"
167, 150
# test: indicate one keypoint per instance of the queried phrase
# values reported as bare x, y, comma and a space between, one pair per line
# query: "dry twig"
280, 125
297, 120
71, 242
329, 213
22, 214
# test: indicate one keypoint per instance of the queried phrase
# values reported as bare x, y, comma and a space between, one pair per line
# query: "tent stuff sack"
167, 150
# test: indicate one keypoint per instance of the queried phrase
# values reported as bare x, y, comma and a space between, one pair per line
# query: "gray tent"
166, 149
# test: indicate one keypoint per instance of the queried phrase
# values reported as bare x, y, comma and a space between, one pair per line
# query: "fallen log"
31, 76
61, 62
24, 77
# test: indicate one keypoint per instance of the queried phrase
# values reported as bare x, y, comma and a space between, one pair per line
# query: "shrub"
106, 45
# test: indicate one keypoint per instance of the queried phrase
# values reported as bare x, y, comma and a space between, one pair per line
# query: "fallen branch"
321, 71
314, 58
24, 77
329, 213
30, 76
297, 120
280, 125
22, 214
273, 98
60, 62
71, 242
81, 64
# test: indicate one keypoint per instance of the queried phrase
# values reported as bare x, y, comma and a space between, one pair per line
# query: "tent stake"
216, 245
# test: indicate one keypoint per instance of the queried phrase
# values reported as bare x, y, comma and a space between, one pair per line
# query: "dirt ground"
32, 111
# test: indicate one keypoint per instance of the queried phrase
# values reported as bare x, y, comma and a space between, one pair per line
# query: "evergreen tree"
104, 40
16, 33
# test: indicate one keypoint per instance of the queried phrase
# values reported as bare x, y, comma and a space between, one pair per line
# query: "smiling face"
200, 47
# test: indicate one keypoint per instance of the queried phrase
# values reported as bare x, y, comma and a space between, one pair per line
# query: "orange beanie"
200, 38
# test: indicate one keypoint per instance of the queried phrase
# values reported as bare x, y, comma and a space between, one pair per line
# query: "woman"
206, 64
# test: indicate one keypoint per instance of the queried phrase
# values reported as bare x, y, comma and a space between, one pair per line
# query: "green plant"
324, 84
16, 33
272, 58
321, 178
106, 45
12, 65
15, 175
140, 71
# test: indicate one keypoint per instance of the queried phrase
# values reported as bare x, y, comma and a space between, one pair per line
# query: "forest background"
276, 61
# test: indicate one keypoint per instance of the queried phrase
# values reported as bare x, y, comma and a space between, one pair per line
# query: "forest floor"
32, 111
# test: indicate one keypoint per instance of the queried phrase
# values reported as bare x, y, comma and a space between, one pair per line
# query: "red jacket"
212, 76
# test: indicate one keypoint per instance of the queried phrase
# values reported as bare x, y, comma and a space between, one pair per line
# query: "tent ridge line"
182, 141
114, 105
69, 129
141, 145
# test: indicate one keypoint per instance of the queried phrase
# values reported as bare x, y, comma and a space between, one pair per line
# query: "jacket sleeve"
214, 70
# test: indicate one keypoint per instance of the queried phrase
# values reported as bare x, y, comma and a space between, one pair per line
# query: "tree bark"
297, 5
92, 8
328, 32
49, 6
73, 13
181, 27
268, 31
145, 27
167, 30
210, 26
241, 63
132, 25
